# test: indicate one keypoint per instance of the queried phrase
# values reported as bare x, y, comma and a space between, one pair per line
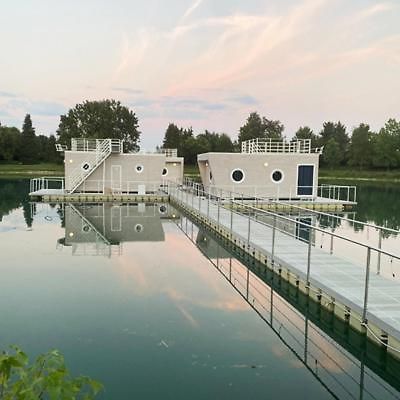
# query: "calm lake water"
140, 298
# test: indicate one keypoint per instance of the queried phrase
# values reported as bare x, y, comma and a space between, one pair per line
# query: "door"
115, 178
305, 180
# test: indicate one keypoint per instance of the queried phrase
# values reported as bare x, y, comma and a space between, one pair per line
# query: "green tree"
332, 154
386, 146
172, 137
257, 127
304, 132
336, 131
28, 149
100, 119
10, 138
218, 142
46, 378
47, 149
360, 149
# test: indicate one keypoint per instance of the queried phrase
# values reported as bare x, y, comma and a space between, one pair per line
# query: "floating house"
101, 166
264, 168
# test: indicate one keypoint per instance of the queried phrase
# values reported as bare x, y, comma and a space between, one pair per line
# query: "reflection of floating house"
101, 166
100, 229
265, 168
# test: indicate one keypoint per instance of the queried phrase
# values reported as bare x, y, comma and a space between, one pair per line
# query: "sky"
202, 63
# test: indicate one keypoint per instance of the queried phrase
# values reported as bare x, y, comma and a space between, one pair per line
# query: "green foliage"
304, 132
10, 138
386, 145
100, 119
257, 127
46, 378
336, 131
332, 154
360, 149
189, 146
28, 146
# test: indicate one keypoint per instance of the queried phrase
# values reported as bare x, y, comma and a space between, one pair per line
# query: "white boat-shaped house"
264, 168
101, 166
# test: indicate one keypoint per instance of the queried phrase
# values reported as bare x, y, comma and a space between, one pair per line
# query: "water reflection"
342, 360
102, 228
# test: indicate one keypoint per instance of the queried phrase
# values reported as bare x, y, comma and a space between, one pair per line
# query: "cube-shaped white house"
101, 166
264, 168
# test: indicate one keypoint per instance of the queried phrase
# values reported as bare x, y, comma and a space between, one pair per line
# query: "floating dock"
60, 196
366, 300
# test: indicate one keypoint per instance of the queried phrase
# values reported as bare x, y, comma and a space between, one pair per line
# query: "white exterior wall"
257, 169
174, 166
107, 172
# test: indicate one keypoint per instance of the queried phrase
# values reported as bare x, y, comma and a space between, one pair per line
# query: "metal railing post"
248, 231
208, 204
199, 193
331, 249
219, 200
378, 268
273, 242
309, 257
364, 316
231, 200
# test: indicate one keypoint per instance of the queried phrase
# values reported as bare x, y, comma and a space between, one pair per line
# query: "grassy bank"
30, 171
362, 175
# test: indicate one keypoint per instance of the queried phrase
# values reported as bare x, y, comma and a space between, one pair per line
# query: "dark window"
277, 176
210, 176
237, 175
139, 168
139, 228
85, 166
163, 209
164, 171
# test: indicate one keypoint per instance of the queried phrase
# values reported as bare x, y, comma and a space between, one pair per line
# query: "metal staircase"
102, 149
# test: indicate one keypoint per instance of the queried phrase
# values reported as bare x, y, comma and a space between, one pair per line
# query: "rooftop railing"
169, 152
93, 145
265, 146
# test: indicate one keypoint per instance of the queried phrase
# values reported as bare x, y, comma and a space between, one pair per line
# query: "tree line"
25, 146
361, 148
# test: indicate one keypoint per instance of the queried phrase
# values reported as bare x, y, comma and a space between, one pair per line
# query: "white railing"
123, 187
103, 148
169, 152
264, 146
46, 183
329, 193
92, 145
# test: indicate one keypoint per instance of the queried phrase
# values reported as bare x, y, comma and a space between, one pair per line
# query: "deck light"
71, 234
265, 164
71, 161
174, 164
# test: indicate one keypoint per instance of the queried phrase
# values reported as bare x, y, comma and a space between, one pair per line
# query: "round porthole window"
85, 228
86, 166
237, 175
139, 168
210, 176
164, 172
277, 176
162, 209
138, 228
